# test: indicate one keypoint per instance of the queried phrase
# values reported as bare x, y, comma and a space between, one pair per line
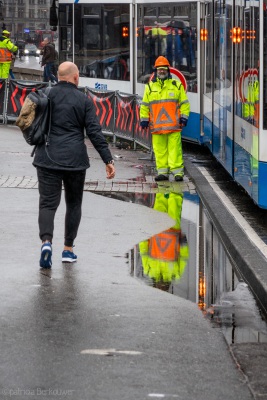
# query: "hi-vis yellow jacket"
164, 102
6, 49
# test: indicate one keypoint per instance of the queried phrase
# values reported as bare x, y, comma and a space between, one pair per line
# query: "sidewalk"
90, 330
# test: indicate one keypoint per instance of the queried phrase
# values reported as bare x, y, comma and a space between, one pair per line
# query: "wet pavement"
93, 330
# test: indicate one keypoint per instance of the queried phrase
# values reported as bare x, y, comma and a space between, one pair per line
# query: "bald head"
68, 71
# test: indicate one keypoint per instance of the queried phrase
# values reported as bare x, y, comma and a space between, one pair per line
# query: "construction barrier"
125, 120
118, 113
17, 91
104, 103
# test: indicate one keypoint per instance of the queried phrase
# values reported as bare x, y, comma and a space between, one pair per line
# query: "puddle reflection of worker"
165, 255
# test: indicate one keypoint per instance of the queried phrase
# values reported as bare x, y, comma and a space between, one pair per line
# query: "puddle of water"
189, 260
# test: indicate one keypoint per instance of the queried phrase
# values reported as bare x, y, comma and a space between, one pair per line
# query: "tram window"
264, 111
102, 41
246, 64
63, 37
169, 30
65, 15
65, 44
209, 57
222, 55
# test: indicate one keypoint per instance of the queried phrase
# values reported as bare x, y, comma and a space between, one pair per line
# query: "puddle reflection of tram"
190, 261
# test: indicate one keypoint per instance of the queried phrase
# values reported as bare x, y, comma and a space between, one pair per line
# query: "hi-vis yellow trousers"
4, 69
168, 153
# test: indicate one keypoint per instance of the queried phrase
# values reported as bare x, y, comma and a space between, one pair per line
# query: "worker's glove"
183, 121
144, 124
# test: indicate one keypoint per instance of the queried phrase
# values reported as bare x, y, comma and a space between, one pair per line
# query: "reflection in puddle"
189, 260
164, 256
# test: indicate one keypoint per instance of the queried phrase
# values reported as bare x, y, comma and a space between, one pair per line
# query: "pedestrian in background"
165, 110
65, 160
49, 58
7, 48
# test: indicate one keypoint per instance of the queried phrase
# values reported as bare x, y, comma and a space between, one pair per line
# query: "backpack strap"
46, 92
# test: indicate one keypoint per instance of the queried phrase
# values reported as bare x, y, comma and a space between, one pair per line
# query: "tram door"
218, 87
65, 33
246, 119
222, 86
170, 30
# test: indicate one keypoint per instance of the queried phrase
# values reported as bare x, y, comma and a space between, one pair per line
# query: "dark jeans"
48, 72
12, 76
50, 189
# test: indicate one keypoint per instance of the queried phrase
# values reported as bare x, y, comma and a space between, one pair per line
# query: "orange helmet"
161, 62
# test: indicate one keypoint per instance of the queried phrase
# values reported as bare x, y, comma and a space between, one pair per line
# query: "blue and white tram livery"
220, 46
234, 94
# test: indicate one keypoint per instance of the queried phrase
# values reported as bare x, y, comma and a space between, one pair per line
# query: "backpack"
35, 117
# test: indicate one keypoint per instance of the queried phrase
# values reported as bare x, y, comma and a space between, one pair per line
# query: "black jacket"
49, 53
73, 116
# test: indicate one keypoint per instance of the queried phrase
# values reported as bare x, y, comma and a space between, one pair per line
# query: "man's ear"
76, 79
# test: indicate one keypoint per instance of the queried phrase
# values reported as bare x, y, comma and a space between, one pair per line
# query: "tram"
218, 45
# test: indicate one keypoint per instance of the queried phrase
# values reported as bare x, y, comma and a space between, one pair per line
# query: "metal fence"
118, 113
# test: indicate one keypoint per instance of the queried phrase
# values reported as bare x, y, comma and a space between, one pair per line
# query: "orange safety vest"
166, 245
5, 55
165, 116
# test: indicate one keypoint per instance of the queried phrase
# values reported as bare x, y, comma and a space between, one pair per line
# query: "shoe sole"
68, 260
45, 255
162, 180
44, 263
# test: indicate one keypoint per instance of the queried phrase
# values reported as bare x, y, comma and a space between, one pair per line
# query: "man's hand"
110, 170
144, 124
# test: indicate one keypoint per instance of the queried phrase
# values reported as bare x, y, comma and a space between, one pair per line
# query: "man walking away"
7, 48
165, 110
65, 160
48, 60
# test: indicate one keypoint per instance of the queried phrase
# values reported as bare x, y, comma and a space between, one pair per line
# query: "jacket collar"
66, 83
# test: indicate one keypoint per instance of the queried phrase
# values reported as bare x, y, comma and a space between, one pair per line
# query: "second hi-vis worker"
165, 110
7, 48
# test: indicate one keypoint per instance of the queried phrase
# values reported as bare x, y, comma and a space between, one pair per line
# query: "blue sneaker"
68, 256
46, 255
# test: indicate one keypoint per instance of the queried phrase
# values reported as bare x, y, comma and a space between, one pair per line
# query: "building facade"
23, 16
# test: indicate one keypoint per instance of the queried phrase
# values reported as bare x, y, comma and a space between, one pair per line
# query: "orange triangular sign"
163, 117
